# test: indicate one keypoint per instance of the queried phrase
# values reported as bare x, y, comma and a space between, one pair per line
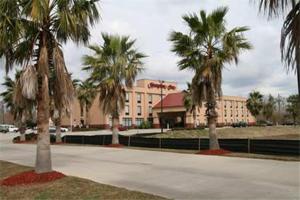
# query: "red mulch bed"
58, 143
115, 145
214, 152
30, 177
25, 142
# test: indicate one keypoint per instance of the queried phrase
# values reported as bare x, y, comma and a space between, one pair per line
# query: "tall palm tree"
189, 104
86, 93
114, 66
20, 107
205, 49
290, 32
33, 32
255, 103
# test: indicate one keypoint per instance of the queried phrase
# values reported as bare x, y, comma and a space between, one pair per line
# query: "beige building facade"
143, 104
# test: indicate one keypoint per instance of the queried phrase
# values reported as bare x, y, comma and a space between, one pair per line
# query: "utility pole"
161, 107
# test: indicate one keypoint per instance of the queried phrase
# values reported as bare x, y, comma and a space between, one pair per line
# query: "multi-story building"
143, 102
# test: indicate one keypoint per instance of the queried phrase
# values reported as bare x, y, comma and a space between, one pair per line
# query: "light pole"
161, 106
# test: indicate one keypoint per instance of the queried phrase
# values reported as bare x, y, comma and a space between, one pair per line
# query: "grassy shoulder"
66, 188
268, 132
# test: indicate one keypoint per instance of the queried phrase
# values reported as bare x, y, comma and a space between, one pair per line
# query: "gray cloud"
151, 21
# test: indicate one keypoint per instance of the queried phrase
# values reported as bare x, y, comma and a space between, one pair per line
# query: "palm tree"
255, 103
188, 104
20, 107
205, 50
33, 32
290, 32
114, 66
86, 94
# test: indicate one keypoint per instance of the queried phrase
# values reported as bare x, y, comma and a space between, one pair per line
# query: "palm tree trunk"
57, 129
43, 154
213, 139
298, 77
87, 121
22, 133
115, 130
212, 116
194, 119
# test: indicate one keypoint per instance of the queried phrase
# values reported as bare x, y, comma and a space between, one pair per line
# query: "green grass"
66, 188
275, 132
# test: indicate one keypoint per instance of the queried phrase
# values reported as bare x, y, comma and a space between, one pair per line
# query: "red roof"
171, 100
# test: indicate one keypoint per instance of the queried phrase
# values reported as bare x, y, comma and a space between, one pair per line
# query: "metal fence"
260, 146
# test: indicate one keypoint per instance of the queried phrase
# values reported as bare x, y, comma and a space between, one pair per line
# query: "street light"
161, 106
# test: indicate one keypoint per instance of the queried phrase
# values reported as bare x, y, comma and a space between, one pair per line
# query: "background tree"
189, 105
86, 93
32, 34
290, 32
269, 107
255, 103
205, 49
114, 66
293, 107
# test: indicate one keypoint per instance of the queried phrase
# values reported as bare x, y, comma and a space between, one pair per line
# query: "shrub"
145, 125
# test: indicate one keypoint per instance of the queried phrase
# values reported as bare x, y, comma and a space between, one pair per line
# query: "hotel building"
143, 103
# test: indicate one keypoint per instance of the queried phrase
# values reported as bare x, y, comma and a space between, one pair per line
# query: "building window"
139, 121
150, 110
150, 98
126, 110
139, 110
138, 97
127, 122
127, 97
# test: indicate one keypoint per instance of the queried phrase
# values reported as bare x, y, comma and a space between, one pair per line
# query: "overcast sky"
151, 21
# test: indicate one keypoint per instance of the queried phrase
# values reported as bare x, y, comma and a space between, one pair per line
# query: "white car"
12, 128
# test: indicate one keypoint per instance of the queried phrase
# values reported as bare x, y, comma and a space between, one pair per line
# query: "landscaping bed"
64, 188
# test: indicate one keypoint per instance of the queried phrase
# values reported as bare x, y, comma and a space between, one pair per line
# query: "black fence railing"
260, 146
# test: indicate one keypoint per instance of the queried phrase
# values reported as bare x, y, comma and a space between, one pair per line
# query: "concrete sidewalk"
173, 175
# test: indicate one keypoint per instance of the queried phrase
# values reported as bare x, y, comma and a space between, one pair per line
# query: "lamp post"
161, 106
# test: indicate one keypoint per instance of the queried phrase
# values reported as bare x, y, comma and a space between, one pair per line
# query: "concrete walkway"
173, 175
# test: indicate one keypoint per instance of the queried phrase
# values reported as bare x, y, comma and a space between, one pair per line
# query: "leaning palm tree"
33, 32
189, 105
20, 107
114, 66
205, 49
255, 103
86, 93
290, 32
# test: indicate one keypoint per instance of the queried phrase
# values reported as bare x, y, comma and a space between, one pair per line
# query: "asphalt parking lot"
173, 175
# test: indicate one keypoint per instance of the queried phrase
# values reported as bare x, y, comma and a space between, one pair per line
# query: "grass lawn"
275, 132
66, 188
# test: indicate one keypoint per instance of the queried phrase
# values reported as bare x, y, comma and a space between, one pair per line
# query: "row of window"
139, 97
231, 104
138, 121
138, 110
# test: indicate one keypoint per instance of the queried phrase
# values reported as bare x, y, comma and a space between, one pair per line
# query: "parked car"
239, 124
52, 129
4, 128
12, 128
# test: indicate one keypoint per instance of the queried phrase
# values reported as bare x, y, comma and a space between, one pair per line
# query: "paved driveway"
173, 175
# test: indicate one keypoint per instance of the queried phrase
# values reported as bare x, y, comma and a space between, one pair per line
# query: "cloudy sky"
151, 21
